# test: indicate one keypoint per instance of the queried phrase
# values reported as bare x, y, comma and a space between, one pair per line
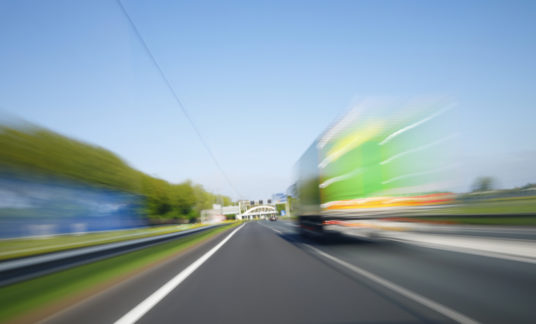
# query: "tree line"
41, 153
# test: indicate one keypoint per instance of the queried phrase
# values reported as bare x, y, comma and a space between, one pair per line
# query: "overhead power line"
175, 96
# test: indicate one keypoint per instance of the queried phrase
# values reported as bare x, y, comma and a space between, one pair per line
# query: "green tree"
33, 152
483, 184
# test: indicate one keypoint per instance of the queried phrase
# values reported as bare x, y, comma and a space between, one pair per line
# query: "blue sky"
261, 80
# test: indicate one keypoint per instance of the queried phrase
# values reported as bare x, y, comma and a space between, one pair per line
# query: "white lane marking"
290, 224
270, 227
142, 308
444, 310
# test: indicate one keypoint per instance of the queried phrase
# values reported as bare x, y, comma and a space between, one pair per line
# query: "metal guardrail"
12, 271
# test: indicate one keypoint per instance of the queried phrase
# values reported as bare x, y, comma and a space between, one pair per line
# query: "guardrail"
12, 271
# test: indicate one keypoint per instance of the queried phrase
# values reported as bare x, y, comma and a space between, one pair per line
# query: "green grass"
500, 207
24, 297
514, 211
13, 248
489, 207
506, 220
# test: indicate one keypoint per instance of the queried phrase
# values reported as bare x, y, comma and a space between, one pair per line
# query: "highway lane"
265, 273
488, 289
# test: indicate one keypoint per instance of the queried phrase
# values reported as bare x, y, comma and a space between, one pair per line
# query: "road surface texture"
265, 273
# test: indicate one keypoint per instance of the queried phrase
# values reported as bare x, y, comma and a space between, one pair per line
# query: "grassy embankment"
23, 247
35, 155
518, 211
50, 293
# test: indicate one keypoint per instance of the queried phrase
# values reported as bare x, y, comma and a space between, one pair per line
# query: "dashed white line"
273, 229
444, 310
142, 308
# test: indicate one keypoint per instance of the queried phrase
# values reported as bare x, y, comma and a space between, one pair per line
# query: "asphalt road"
266, 273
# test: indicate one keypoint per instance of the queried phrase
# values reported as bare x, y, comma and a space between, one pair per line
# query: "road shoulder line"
444, 310
512, 250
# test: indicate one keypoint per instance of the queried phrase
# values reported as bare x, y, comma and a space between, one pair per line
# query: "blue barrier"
30, 207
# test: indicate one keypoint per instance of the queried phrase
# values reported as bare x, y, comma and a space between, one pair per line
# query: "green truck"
376, 163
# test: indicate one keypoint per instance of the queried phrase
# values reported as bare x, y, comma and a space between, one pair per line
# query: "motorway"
265, 273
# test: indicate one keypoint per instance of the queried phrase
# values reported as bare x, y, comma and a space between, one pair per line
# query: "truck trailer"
379, 162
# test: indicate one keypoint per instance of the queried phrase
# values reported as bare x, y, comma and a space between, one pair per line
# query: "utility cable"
176, 97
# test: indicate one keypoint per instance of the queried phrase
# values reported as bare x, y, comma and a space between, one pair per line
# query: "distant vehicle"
273, 218
366, 168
